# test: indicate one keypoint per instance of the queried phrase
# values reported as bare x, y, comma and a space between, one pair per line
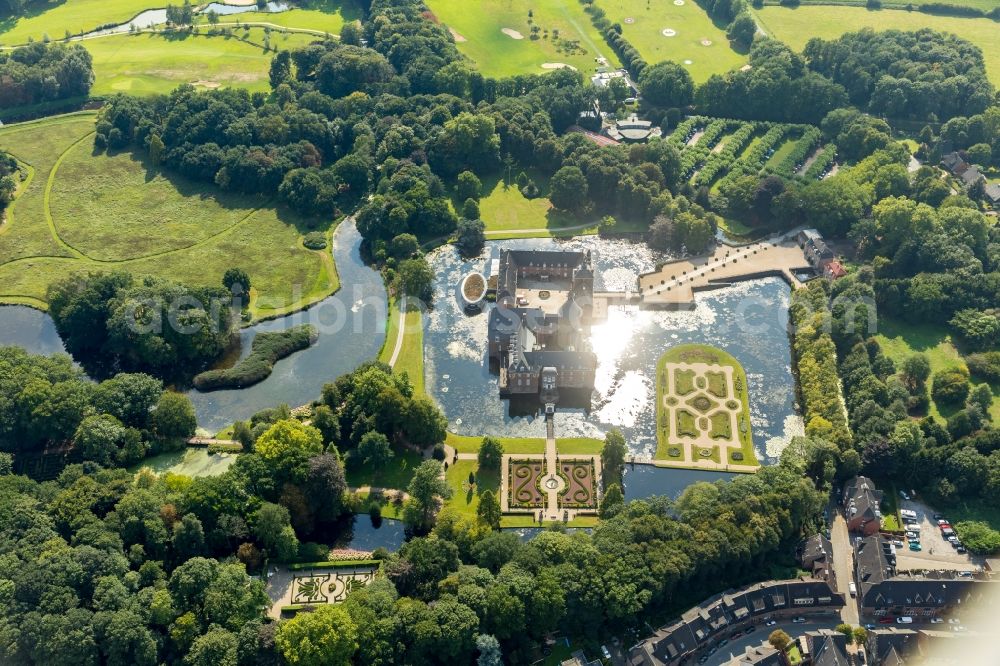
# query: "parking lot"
936, 551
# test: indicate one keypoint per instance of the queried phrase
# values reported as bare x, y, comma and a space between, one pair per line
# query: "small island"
703, 410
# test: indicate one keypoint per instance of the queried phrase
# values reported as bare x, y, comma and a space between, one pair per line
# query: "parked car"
961, 550
723, 642
902, 493
958, 628
870, 626
752, 628
853, 588
938, 517
953, 539
936, 620
604, 652
799, 620
954, 620
887, 619
906, 619
897, 543
956, 543
770, 623
915, 545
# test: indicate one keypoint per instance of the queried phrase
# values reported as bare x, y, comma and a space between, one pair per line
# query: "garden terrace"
703, 411
524, 491
581, 484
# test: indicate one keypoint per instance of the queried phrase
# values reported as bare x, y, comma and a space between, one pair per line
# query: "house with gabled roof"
861, 501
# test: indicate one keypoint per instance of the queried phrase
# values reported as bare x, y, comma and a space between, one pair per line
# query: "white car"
906, 619
954, 620
936, 620
897, 543
770, 623
953, 539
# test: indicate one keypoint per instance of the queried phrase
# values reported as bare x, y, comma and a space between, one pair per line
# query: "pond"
191, 461
142, 20
351, 326
222, 9
360, 532
749, 320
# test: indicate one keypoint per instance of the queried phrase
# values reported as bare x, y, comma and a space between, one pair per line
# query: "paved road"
737, 647
843, 565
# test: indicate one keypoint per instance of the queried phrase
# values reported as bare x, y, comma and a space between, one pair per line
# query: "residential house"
758, 655
954, 163
971, 176
825, 648
835, 270
578, 658
816, 555
861, 502
818, 253
992, 192
891, 645
885, 591
731, 612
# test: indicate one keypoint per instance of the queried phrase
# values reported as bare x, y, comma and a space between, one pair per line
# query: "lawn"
504, 208
796, 26
517, 445
411, 354
156, 63
396, 474
985, 5
465, 498
160, 240
55, 17
692, 27
480, 25
899, 340
328, 18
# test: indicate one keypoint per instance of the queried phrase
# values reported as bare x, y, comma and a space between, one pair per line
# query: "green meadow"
696, 38
797, 26
83, 212
152, 63
479, 25
57, 17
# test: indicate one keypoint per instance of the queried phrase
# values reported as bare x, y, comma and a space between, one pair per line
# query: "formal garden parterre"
703, 413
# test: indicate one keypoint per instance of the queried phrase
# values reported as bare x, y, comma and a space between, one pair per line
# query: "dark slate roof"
971, 175
759, 655
865, 495
891, 644
570, 360
815, 548
993, 192
543, 257
828, 648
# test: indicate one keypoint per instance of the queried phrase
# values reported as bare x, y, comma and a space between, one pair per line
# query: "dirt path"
400, 333
540, 230
694, 138
809, 161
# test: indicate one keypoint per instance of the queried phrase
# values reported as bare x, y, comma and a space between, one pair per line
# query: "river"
351, 324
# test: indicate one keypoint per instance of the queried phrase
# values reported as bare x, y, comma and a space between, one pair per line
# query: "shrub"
950, 387
315, 240
985, 365
266, 350
978, 537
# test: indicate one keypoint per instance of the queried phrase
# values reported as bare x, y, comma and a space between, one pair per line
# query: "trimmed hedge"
333, 564
266, 350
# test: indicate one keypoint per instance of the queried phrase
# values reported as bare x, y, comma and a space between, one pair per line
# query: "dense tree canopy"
42, 72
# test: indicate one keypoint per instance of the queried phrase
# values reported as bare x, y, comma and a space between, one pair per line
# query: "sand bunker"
669, 32
679, 3
458, 38
706, 42
557, 65
513, 34
629, 20
207, 84
689, 62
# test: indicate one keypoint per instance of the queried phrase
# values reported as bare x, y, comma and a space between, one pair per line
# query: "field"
479, 24
899, 340
152, 63
80, 212
985, 5
57, 17
796, 26
692, 27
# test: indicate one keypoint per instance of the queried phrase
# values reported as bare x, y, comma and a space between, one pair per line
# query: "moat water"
351, 324
749, 320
